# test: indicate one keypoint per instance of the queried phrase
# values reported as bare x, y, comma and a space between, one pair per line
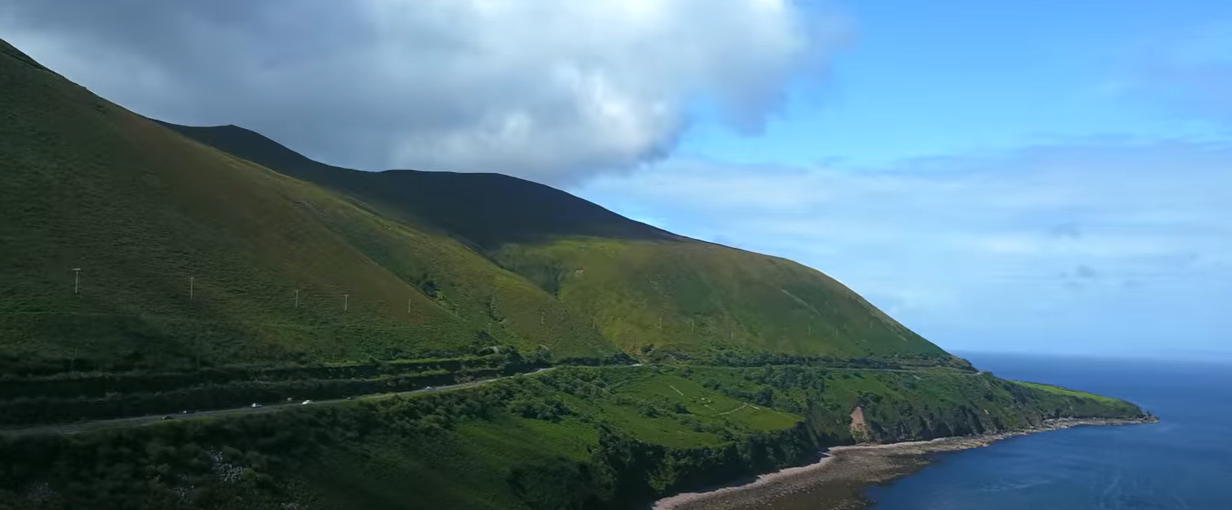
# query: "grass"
677, 412
464, 469
141, 210
486, 211
640, 287
700, 401
704, 300
1057, 390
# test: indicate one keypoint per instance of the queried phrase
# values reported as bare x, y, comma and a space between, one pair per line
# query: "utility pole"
297, 298
540, 318
76, 278
346, 302
408, 307
72, 361
191, 282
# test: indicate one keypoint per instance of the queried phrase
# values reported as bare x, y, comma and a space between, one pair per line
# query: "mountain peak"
486, 210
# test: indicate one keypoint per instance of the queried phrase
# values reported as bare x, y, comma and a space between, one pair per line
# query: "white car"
256, 405
306, 402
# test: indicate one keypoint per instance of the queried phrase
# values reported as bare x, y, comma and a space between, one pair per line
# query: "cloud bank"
551, 90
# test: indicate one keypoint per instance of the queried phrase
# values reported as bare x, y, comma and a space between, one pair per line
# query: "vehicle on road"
167, 416
306, 402
256, 405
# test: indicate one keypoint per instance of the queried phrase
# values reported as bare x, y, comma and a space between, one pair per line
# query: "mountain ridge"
219, 246
542, 254
417, 187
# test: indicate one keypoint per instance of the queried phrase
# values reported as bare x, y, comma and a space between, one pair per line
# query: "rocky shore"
837, 481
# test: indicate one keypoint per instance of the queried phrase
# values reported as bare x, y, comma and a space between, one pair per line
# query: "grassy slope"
140, 210
87, 184
572, 438
703, 299
484, 210
642, 287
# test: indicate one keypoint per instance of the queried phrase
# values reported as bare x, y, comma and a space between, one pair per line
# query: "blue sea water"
1182, 463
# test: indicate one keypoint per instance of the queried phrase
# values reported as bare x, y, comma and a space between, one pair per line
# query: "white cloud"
548, 89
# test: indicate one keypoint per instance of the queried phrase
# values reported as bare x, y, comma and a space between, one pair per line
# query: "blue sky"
1006, 176
1035, 176
924, 78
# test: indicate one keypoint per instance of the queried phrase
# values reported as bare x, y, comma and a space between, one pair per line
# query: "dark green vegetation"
219, 268
70, 398
577, 437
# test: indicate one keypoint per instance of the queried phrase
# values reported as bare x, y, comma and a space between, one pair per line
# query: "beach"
837, 481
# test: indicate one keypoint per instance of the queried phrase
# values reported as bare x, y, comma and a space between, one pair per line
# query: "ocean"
1182, 463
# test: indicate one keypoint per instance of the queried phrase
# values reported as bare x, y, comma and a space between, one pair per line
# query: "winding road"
97, 425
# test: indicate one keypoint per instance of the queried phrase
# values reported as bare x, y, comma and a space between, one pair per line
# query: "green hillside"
483, 210
191, 257
647, 291
698, 299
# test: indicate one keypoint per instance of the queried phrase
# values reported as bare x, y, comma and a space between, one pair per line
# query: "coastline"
838, 479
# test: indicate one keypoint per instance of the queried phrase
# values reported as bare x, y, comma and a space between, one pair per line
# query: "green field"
1067, 392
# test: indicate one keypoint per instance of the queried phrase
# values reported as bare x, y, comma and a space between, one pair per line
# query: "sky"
1047, 177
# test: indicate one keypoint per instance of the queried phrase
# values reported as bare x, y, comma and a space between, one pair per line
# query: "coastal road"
97, 425
91, 426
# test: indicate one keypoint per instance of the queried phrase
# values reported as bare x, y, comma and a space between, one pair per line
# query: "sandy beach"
838, 479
